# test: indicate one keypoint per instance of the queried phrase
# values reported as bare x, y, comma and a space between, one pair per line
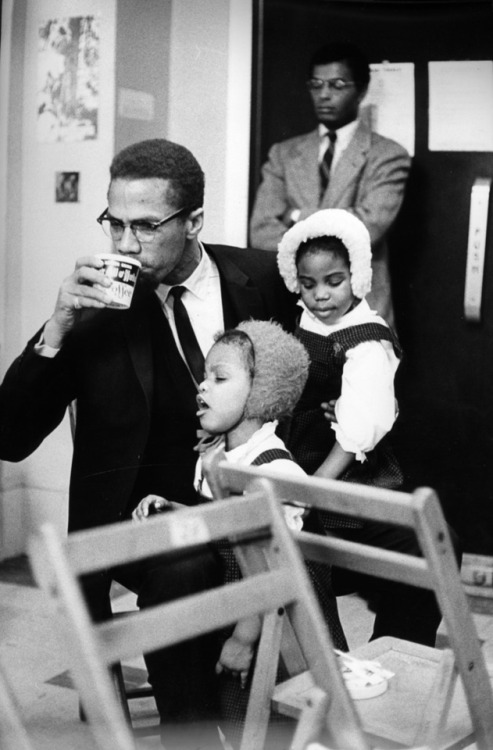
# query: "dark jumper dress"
233, 698
309, 435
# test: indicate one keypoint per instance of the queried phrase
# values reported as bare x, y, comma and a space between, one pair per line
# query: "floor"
36, 666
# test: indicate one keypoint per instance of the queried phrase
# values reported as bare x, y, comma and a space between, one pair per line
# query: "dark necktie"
189, 344
326, 162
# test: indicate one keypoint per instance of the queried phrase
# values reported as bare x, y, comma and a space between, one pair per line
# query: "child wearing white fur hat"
353, 359
354, 355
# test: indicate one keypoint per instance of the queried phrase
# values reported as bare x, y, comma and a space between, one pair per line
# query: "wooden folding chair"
13, 734
274, 584
424, 703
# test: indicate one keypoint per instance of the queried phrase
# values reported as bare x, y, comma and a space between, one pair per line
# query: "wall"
142, 71
193, 58
44, 239
11, 109
210, 71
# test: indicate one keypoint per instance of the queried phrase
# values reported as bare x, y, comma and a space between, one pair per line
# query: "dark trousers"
401, 610
182, 675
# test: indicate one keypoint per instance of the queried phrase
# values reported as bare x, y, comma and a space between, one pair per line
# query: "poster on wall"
67, 187
461, 105
388, 106
68, 79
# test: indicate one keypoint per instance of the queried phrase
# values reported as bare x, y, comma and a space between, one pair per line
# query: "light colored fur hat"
329, 222
280, 373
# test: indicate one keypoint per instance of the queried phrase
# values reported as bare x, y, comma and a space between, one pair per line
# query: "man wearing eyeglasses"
340, 164
136, 389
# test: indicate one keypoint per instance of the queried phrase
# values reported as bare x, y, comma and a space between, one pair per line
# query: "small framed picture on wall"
67, 187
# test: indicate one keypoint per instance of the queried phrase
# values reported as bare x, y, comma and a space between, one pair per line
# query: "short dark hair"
166, 160
348, 53
325, 244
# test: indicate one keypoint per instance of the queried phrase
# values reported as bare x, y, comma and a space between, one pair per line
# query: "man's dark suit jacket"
106, 364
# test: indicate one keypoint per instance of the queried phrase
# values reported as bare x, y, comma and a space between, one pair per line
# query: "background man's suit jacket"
106, 364
369, 179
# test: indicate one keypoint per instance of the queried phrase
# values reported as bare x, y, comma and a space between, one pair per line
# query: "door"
444, 435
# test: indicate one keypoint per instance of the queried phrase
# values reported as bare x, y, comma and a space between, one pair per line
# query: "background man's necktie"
326, 162
189, 344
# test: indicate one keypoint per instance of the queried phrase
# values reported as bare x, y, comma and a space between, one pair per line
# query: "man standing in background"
340, 164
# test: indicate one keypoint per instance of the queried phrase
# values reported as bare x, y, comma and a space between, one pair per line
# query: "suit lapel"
349, 165
137, 330
305, 169
241, 299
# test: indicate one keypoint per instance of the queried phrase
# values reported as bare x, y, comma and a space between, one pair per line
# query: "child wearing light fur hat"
254, 375
354, 355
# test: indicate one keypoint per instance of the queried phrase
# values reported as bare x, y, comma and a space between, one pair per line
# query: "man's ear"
195, 222
362, 94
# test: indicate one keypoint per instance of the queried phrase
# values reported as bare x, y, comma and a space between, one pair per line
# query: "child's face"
325, 282
224, 390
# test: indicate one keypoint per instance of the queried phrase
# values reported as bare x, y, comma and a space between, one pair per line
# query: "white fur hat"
329, 222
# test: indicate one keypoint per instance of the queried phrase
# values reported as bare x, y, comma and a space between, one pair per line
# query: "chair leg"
12, 728
441, 693
119, 685
264, 677
312, 720
126, 694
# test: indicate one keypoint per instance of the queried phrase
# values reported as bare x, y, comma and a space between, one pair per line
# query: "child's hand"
236, 658
150, 505
329, 408
293, 517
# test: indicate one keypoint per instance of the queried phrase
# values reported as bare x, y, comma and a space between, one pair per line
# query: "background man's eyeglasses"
333, 84
143, 231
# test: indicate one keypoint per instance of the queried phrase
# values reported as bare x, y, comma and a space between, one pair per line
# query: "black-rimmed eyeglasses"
333, 84
143, 231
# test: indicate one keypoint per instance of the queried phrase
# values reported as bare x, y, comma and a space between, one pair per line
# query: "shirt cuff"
347, 444
43, 350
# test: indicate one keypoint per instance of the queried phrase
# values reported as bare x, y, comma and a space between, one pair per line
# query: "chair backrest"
274, 584
436, 570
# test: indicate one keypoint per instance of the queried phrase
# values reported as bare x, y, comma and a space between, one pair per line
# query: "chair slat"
93, 549
395, 566
194, 615
329, 495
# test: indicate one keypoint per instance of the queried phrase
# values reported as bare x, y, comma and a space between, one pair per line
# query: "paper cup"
123, 272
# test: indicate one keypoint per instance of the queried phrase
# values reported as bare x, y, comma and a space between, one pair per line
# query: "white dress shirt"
202, 300
344, 136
